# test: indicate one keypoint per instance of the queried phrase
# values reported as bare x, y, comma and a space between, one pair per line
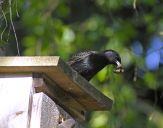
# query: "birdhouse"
44, 92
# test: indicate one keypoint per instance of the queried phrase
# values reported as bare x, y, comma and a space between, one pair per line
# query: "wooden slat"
61, 97
45, 113
55, 69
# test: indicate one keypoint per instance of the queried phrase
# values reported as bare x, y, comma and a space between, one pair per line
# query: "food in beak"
119, 67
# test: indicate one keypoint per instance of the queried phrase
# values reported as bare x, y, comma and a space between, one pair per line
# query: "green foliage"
53, 27
151, 80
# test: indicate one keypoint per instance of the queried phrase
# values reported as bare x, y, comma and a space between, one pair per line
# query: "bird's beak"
119, 67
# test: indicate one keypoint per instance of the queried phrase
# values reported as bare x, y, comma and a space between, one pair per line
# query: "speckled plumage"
88, 63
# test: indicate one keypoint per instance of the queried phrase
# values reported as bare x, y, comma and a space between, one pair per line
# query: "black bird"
88, 63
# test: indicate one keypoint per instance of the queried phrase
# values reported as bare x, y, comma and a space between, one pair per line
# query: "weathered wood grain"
47, 114
55, 69
60, 96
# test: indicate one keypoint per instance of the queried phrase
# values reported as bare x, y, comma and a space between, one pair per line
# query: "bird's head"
114, 58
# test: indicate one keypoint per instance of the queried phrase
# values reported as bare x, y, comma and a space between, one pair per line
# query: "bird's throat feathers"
98, 60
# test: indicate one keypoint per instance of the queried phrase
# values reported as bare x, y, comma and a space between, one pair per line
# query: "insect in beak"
119, 68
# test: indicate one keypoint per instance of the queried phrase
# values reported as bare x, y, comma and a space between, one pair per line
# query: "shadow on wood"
55, 78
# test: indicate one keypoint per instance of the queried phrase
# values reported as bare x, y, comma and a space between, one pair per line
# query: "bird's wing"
79, 56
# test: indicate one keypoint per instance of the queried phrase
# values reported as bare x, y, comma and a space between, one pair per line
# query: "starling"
88, 63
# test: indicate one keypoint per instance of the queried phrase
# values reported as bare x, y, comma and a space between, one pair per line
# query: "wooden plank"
63, 75
15, 98
44, 112
84, 92
47, 114
60, 96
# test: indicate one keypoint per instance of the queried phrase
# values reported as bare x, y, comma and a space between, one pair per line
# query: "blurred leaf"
102, 75
99, 120
150, 80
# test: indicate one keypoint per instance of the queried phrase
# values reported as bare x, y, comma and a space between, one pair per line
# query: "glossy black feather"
76, 58
88, 63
